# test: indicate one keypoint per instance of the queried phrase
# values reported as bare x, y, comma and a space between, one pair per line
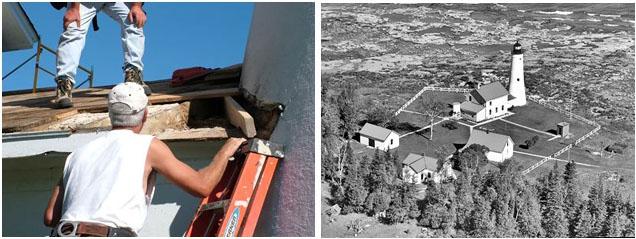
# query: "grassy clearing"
541, 118
446, 98
419, 143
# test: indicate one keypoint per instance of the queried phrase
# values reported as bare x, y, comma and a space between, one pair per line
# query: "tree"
378, 201
379, 114
583, 222
597, 207
470, 158
572, 195
403, 204
481, 224
348, 111
432, 108
464, 196
529, 213
628, 206
615, 225
355, 192
552, 200
442, 152
438, 206
330, 122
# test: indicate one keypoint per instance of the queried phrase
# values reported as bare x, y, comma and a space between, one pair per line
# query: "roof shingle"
375, 132
495, 142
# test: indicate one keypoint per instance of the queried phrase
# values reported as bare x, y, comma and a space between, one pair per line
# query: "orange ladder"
247, 178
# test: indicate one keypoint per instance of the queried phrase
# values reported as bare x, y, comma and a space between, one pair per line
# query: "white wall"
364, 140
517, 87
495, 109
27, 184
279, 67
396, 140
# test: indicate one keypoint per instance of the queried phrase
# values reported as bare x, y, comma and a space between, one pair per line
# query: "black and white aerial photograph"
477, 120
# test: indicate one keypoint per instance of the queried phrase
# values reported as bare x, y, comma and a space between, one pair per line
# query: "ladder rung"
221, 204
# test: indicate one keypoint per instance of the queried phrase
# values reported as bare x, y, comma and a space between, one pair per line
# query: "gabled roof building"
378, 137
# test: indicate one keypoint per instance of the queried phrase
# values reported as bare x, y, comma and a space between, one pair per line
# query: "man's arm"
137, 15
53, 211
198, 183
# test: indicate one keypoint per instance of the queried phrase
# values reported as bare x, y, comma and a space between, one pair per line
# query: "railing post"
90, 81
37, 67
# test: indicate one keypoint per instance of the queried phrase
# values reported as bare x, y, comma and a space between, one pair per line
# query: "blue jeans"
72, 40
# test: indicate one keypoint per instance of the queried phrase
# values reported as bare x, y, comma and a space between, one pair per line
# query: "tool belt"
80, 229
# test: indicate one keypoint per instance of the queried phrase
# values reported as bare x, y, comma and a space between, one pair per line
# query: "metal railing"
36, 74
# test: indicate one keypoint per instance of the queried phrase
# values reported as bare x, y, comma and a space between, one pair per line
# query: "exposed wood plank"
23, 110
194, 134
239, 117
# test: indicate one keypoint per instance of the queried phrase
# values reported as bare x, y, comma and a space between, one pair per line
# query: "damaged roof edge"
35, 143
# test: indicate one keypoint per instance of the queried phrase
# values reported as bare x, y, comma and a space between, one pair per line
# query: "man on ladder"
130, 17
108, 184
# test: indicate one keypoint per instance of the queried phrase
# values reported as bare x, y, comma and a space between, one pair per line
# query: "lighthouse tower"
516, 85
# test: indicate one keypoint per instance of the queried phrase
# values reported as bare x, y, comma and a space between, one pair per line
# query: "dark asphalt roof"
489, 92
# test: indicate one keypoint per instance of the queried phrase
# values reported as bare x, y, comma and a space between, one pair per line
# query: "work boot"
63, 97
133, 74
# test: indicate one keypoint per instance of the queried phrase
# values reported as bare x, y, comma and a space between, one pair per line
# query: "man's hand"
72, 15
230, 147
137, 15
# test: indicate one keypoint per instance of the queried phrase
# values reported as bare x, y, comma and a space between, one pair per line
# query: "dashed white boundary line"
557, 159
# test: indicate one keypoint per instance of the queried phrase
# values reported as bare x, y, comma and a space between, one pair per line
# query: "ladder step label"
231, 227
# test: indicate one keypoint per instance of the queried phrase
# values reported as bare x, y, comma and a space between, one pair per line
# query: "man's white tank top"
103, 181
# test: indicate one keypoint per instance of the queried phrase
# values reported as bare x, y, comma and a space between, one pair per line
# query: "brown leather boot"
133, 74
64, 97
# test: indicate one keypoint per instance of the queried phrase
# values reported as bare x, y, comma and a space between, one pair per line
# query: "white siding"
410, 176
496, 107
392, 142
501, 156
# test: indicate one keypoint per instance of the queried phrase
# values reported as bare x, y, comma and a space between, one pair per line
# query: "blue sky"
178, 35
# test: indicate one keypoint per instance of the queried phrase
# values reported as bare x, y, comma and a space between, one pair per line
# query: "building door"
372, 143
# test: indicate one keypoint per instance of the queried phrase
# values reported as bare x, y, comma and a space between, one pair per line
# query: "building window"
391, 141
502, 107
489, 112
517, 79
470, 98
496, 110
422, 176
491, 103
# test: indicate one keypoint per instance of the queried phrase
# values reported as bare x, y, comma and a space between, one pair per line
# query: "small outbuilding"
418, 169
500, 146
563, 129
378, 137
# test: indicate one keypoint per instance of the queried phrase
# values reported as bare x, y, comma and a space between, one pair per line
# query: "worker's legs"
133, 41
132, 37
71, 43
69, 51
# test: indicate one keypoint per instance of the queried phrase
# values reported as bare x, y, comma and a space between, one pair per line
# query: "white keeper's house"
418, 169
378, 137
485, 102
500, 146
